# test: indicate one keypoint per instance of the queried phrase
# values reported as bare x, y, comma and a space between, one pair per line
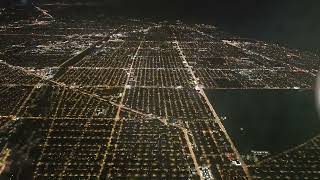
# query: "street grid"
135, 105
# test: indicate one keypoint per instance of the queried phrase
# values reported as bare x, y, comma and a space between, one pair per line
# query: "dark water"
272, 120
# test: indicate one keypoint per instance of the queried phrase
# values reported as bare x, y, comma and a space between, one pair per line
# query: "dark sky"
294, 23
291, 22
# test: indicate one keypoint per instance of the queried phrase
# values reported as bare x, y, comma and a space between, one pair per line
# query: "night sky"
294, 23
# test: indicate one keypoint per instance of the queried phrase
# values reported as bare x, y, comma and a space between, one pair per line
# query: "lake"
270, 120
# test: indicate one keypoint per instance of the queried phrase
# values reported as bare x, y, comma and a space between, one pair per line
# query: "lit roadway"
121, 106
127, 81
216, 117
